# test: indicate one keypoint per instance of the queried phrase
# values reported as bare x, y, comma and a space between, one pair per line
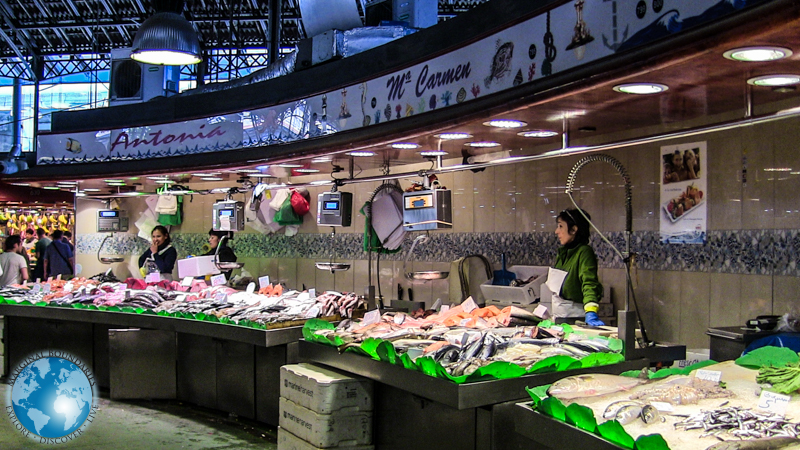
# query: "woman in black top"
161, 251
225, 253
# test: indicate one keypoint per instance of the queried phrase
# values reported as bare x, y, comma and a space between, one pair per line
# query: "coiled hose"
389, 187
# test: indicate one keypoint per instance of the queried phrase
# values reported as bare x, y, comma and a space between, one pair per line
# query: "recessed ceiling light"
164, 181
777, 169
405, 145
52, 188
306, 170
80, 194
362, 153
159, 177
209, 174
91, 190
641, 88
114, 181
248, 171
538, 133
121, 183
774, 80
21, 184
211, 179
67, 183
484, 144
263, 175
322, 159
757, 54
452, 136
505, 123
260, 168
132, 193
433, 153
321, 182
290, 165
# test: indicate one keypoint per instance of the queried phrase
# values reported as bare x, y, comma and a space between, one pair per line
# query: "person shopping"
13, 267
226, 253
58, 258
573, 278
161, 252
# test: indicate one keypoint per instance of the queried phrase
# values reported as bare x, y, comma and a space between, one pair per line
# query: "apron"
562, 308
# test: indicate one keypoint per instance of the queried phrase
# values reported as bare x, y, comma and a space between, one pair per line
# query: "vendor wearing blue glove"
581, 290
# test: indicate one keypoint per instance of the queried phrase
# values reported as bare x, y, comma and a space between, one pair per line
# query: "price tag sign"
68, 287
217, 280
437, 304
221, 297
36, 288
444, 308
263, 281
557, 328
708, 375
58, 277
186, 281
46, 288
371, 317
469, 305
399, 319
312, 293
773, 402
153, 277
251, 287
662, 406
464, 322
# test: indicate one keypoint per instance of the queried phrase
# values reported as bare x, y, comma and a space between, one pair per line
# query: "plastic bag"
286, 215
299, 204
167, 204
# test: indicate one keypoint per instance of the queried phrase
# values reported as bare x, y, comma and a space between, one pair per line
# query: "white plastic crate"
288, 441
197, 267
517, 296
324, 390
342, 428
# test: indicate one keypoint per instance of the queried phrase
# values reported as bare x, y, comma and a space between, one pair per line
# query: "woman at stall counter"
225, 253
161, 251
581, 290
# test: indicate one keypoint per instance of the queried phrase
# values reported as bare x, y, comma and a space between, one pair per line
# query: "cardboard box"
342, 428
324, 390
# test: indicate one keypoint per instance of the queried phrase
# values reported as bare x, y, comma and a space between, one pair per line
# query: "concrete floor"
152, 424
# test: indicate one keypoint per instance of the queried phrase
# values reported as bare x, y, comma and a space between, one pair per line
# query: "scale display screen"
418, 201
109, 213
226, 213
330, 206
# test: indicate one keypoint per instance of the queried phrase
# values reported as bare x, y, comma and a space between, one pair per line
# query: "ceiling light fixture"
248, 171
757, 54
91, 190
211, 179
322, 159
505, 123
538, 133
321, 182
166, 38
306, 170
483, 144
290, 165
121, 183
114, 181
452, 136
405, 145
52, 188
21, 184
210, 174
433, 153
164, 181
133, 193
774, 80
263, 175
260, 168
641, 88
362, 153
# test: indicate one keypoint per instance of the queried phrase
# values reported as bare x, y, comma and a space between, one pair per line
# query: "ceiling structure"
51, 38
706, 91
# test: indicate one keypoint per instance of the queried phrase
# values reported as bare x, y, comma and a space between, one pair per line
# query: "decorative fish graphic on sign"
501, 63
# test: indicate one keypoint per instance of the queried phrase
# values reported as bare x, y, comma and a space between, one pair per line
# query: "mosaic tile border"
752, 252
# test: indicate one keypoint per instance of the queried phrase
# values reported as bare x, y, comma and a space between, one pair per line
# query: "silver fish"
611, 409
651, 415
628, 414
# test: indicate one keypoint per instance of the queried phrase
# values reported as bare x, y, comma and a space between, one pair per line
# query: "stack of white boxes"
324, 409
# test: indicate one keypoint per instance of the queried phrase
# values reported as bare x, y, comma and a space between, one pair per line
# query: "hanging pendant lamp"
166, 38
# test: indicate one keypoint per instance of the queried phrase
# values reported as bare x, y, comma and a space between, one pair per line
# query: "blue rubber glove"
592, 320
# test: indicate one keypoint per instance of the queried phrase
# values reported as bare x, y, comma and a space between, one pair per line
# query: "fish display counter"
749, 403
455, 372
226, 347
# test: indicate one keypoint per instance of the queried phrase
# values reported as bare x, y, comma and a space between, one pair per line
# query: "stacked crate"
324, 409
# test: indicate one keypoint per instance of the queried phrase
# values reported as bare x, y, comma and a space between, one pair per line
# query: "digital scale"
228, 215
111, 220
427, 210
335, 209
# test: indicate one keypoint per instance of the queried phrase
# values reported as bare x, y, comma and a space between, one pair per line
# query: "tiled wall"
748, 267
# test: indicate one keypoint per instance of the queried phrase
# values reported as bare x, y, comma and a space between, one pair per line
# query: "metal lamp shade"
166, 38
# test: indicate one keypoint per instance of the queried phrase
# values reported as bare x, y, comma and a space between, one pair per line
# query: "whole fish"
612, 409
651, 415
628, 414
590, 385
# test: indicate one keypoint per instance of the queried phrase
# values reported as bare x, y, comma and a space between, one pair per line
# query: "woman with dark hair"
580, 292
161, 252
225, 253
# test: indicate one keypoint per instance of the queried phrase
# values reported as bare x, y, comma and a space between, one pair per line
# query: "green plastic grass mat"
768, 356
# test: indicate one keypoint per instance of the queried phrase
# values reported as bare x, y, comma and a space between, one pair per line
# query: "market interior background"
747, 267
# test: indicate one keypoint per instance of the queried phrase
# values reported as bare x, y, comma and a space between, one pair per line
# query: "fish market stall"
229, 345
715, 406
454, 371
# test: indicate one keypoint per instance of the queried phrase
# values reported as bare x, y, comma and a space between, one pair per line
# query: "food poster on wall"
683, 202
567, 36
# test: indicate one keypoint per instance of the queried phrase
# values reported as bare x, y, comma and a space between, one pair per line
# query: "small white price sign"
186, 282
662, 406
371, 317
557, 328
708, 375
444, 308
153, 277
263, 281
218, 280
312, 293
773, 402
46, 288
251, 287
469, 305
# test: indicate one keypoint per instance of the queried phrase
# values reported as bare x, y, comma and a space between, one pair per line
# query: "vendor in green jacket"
581, 290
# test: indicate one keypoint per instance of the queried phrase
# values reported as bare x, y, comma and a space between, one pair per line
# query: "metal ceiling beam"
8, 16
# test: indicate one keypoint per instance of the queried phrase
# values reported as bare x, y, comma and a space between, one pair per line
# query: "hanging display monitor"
228, 216
335, 209
111, 220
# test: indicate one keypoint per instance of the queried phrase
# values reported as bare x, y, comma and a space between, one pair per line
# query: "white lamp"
166, 38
